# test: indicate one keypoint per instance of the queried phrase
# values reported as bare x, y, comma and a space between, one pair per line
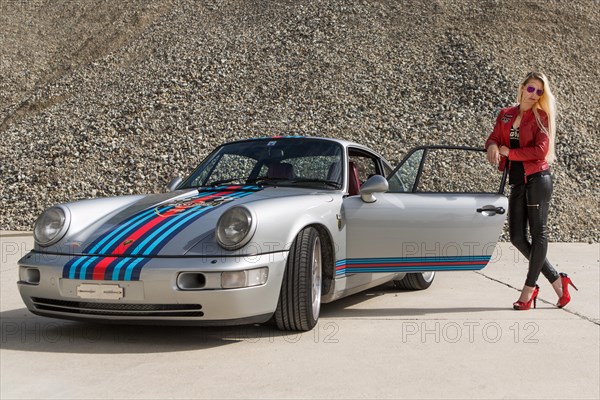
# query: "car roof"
344, 143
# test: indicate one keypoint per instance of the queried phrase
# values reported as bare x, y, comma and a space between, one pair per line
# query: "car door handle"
491, 210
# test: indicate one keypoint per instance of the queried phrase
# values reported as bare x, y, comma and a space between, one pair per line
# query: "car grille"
119, 309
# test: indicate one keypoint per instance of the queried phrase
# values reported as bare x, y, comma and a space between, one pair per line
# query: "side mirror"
173, 184
375, 184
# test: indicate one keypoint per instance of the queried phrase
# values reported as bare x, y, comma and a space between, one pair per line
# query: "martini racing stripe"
106, 268
196, 205
152, 246
127, 225
154, 231
410, 264
100, 268
135, 235
138, 227
108, 242
131, 244
86, 261
114, 271
174, 226
134, 269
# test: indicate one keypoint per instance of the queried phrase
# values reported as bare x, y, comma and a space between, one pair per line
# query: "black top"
516, 172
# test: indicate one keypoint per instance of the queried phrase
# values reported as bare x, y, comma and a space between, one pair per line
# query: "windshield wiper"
222, 181
260, 181
332, 184
265, 180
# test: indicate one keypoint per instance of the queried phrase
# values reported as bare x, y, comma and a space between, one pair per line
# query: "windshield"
301, 162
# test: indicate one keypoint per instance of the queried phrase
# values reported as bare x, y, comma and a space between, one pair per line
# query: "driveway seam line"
584, 317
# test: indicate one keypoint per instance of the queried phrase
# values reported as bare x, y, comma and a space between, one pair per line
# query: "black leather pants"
528, 203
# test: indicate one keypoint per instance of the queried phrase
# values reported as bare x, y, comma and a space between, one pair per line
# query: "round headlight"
235, 228
51, 226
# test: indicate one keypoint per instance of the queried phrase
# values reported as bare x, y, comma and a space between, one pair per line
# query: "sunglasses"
531, 89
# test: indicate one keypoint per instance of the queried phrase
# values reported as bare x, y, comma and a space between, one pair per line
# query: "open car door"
444, 211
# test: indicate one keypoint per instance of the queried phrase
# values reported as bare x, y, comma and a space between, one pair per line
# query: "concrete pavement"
458, 339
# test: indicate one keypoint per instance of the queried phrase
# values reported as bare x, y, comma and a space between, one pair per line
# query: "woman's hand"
493, 154
504, 151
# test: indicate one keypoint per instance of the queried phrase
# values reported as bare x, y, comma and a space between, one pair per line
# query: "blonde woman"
523, 141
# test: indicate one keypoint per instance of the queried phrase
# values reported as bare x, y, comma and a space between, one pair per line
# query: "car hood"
160, 225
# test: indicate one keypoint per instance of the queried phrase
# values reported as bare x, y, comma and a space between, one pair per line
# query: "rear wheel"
416, 281
300, 297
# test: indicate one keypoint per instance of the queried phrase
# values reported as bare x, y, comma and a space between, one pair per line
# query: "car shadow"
343, 308
24, 331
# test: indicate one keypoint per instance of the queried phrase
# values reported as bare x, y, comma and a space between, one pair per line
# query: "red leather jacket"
533, 142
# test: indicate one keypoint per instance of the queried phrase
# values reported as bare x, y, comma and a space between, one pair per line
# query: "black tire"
415, 281
300, 296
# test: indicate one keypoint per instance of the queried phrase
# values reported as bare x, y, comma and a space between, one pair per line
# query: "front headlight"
235, 228
51, 226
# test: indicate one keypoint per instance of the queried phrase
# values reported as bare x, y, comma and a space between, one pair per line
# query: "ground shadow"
24, 331
342, 308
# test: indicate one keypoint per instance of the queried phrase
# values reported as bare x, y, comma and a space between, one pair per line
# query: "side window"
458, 171
367, 165
403, 179
386, 170
445, 170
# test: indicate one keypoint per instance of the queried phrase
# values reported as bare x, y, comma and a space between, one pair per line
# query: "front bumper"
155, 297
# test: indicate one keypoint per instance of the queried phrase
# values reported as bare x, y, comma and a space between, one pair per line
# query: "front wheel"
300, 296
416, 281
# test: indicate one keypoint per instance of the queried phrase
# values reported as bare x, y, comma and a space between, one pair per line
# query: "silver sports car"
265, 230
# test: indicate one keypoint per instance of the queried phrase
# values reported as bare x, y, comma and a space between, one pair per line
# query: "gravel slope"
106, 98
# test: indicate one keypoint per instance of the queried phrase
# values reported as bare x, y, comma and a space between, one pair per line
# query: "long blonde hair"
546, 102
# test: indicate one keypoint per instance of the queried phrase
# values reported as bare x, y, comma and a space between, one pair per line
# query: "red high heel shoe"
566, 296
519, 305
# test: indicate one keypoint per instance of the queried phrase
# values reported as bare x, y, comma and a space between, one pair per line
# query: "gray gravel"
108, 98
